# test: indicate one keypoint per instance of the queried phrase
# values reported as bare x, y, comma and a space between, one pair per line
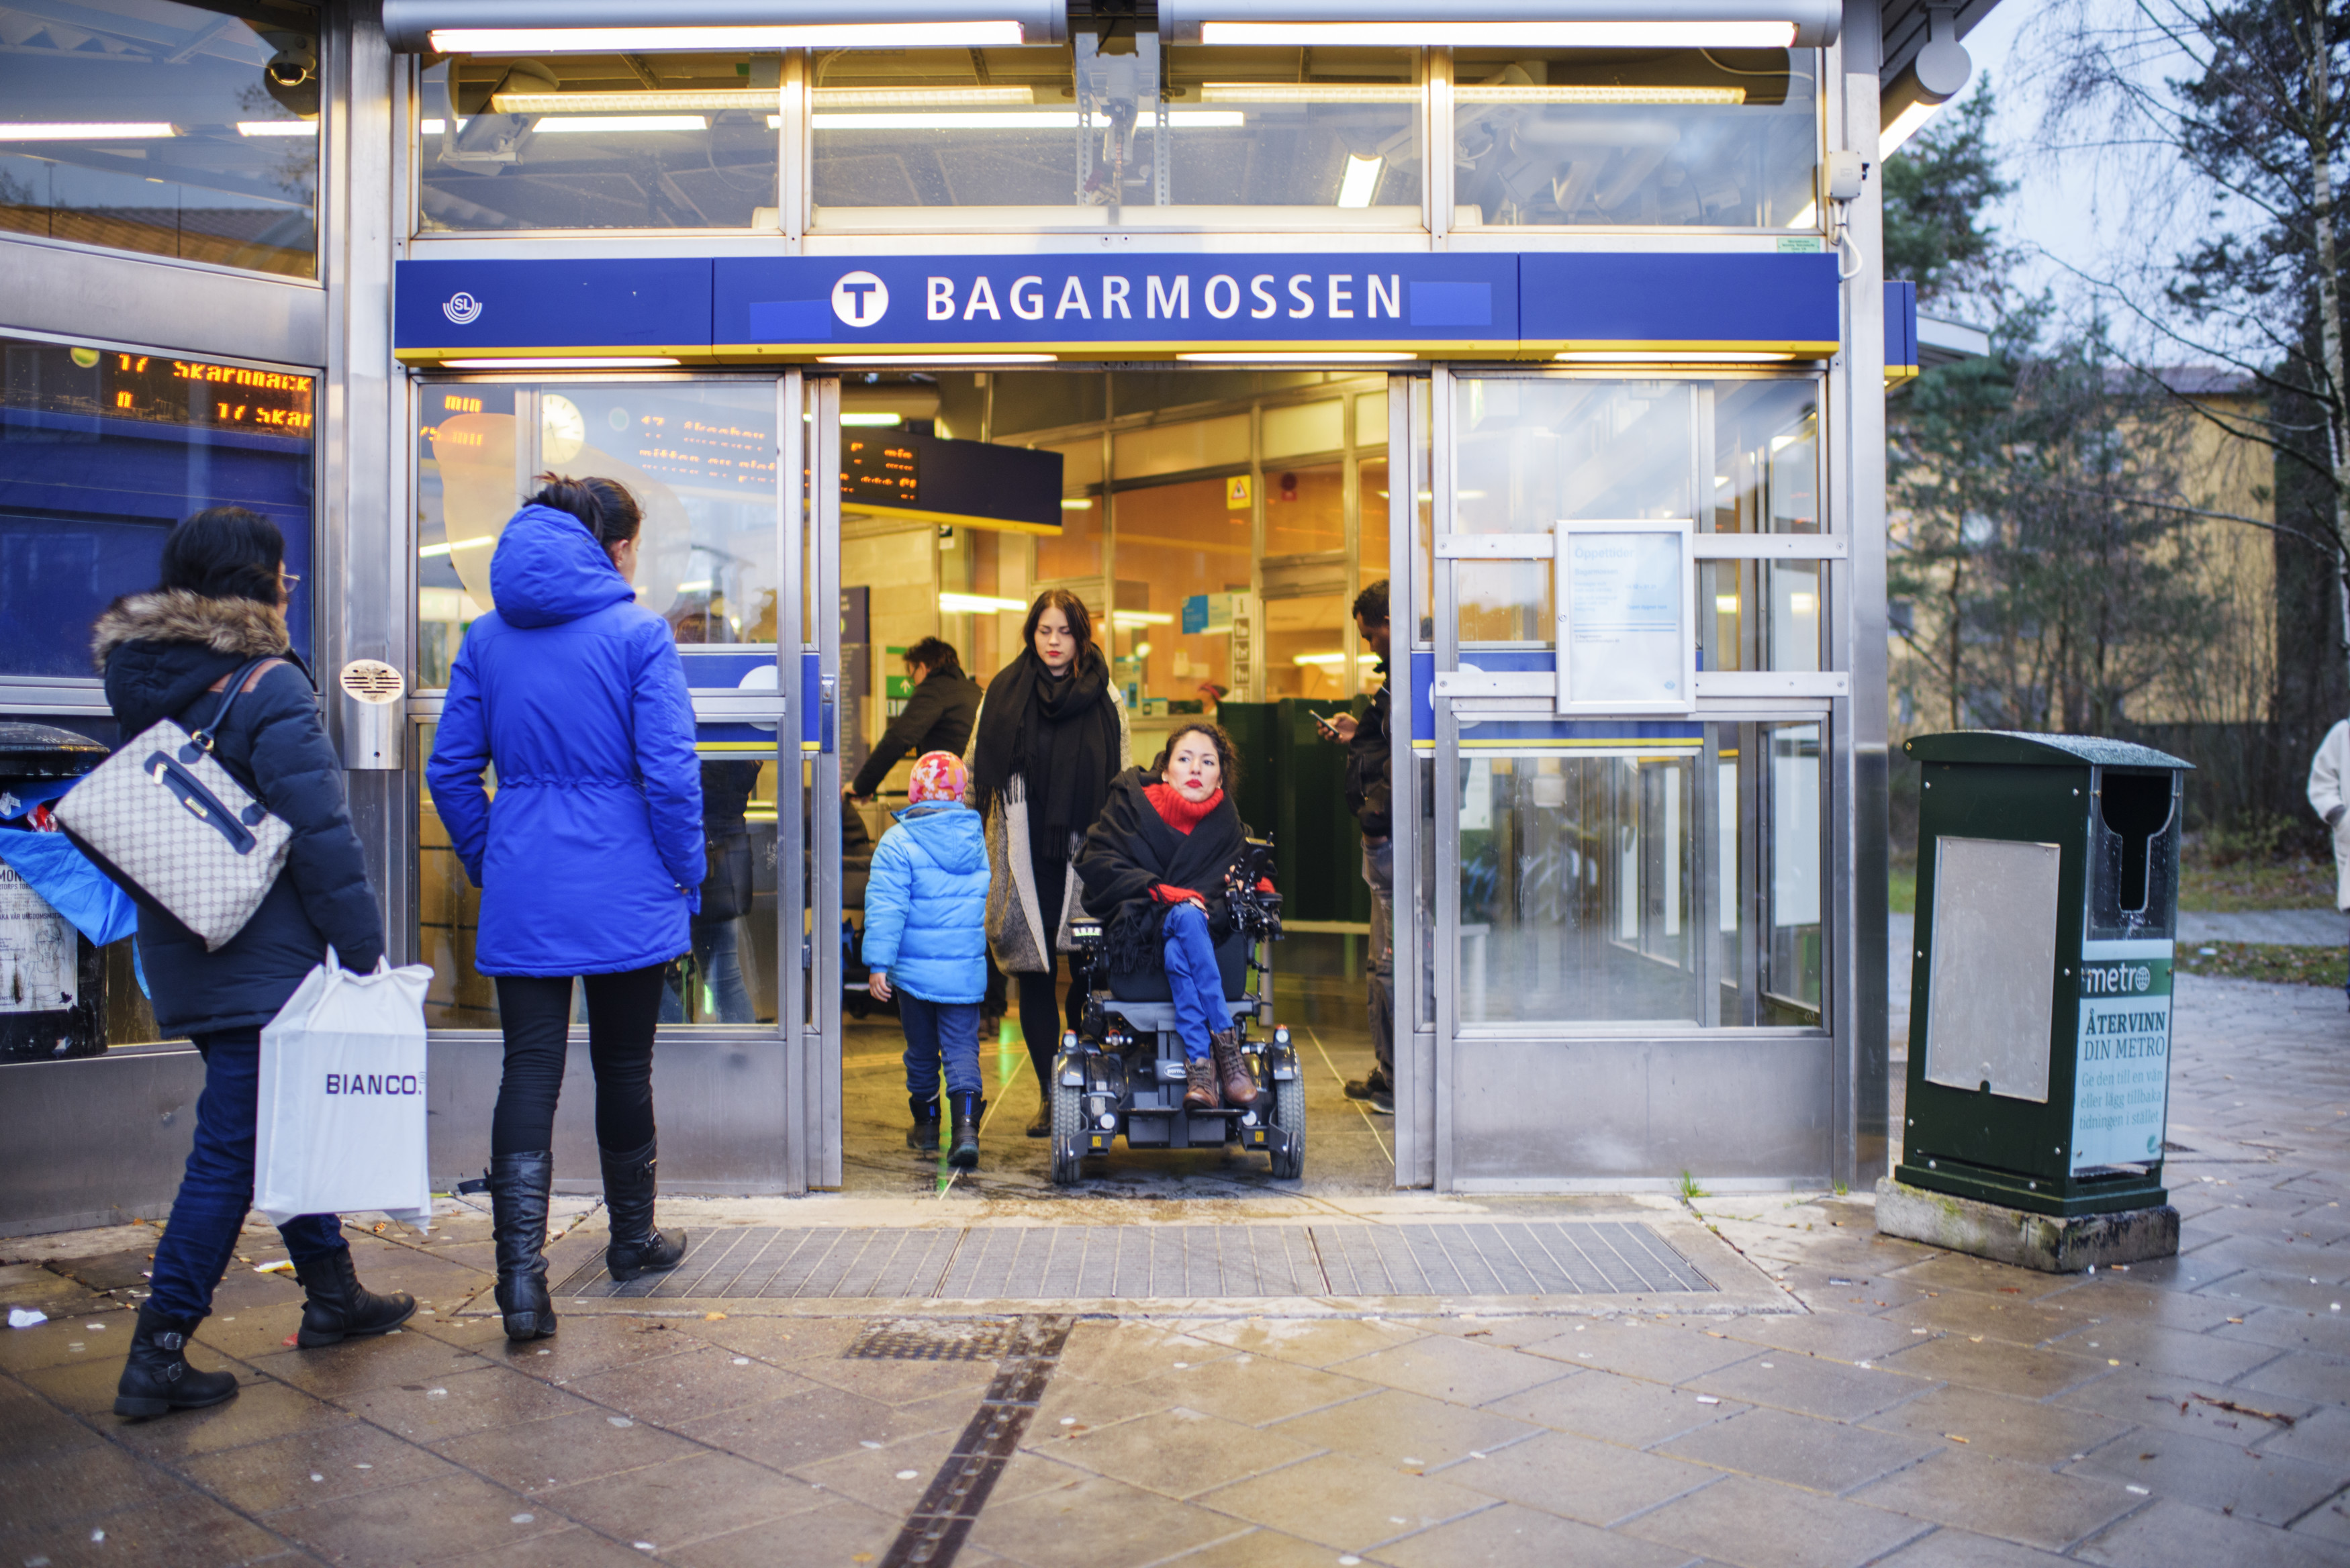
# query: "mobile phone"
1327, 727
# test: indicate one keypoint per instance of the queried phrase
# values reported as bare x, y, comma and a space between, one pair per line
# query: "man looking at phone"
1369, 781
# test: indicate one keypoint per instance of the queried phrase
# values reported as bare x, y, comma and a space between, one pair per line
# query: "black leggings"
622, 1010
1041, 1012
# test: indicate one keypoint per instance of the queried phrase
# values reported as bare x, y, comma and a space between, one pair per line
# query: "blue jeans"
217, 1190
717, 954
1193, 976
936, 1030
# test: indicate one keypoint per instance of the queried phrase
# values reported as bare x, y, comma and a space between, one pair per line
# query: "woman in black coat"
170, 654
1154, 867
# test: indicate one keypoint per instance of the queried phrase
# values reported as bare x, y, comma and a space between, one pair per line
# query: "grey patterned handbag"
163, 817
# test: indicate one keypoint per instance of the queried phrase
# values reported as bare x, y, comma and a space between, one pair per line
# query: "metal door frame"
821, 1040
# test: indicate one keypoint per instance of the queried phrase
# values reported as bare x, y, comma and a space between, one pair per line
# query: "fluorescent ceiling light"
105, 130
978, 604
1131, 618
1309, 92
727, 40
871, 420
277, 127
1905, 124
1725, 604
1013, 119
435, 127
1518, 92
554, 362
1674, 355
592, 124
429, 551
1297, 356
629, 102
1077, 503
936, 359
1502, 35
1361, 180
886, 97
1332, 658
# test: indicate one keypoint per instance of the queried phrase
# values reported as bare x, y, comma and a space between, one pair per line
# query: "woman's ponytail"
611, 513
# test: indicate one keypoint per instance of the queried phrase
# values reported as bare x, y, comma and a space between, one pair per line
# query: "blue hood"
950, 833
547, 570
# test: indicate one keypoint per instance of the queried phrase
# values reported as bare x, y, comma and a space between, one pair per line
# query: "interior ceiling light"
109, 131
1077, 503
1523, 92
1131, 618
590, 124
1309, 92
631, 102
277, 127
889, 97
872, 419
1361, 180
547, 362
978, 604
1502, 35
936, 360
1004, 35
1012, 120
1297, 356
1676, 357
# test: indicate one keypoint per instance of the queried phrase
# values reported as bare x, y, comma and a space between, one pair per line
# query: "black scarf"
1060, 736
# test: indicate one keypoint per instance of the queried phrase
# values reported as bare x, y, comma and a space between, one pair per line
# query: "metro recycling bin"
52, 979
2039, 992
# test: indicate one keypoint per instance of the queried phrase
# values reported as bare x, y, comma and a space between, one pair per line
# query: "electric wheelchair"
1121, 1073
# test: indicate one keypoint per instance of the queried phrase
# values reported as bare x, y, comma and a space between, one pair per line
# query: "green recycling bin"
2040, 992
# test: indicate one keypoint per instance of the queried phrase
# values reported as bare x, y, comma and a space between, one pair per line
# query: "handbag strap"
204, 737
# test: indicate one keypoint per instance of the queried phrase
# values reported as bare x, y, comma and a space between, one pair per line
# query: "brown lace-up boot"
1231, 1073
1200, 1091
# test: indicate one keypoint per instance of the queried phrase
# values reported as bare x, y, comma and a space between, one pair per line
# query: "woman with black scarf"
1050, 736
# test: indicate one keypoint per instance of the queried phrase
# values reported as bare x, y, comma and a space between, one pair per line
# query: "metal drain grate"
1136, 1263
932, 1339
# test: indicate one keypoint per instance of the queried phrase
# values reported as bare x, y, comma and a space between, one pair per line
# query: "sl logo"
461, 308
860, 298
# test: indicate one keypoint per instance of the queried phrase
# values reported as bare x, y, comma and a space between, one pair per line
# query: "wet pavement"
1831, 1399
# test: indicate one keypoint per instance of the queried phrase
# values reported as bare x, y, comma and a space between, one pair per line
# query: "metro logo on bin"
384, 1083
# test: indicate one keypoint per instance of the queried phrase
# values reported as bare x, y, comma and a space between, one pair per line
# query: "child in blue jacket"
926, 941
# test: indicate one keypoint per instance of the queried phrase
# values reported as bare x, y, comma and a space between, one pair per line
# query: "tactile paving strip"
1136, 1263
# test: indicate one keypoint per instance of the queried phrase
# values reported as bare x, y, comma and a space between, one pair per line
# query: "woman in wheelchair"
1153, 868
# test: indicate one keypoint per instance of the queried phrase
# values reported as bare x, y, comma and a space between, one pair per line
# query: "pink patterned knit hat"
938, 776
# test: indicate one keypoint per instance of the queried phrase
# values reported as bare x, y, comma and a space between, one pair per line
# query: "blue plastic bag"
70, 884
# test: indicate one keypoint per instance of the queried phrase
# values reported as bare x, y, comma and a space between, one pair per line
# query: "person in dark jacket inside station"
1370, 777
938, 716
170, 654
1154, 867
589, 859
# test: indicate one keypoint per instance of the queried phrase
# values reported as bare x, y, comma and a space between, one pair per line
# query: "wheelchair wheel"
1068, 1136
1289, 1115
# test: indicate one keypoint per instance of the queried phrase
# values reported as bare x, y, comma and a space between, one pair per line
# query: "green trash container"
2039, 992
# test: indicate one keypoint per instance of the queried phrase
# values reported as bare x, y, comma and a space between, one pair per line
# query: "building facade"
1566, 320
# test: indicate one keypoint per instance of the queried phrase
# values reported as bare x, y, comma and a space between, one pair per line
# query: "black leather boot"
967, 1109
637, 1247
156, 1378
518, 1185
924, 1135
341, 1308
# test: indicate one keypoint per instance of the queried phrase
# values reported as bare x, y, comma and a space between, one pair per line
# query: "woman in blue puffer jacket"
590, 857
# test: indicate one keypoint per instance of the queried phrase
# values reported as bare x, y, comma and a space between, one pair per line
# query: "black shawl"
1131, 850
1060, 736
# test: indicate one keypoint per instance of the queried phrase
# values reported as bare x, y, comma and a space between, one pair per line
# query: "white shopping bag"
341, 1120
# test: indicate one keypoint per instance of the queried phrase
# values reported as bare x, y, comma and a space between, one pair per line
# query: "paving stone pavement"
1909, 1408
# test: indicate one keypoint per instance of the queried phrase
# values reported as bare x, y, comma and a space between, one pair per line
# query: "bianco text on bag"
341, 1120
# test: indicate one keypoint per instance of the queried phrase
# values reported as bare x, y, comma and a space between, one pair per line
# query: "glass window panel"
176, 130
1733, 634
1670, 137
1081, 463
1306, 649
1180, 448
700, 457
1175, 541
1306, 510
1605, 884
1112, 129
101, 451
652, 141
1043, 402
1372, 529
1371, 418
1294, 430
1766, 458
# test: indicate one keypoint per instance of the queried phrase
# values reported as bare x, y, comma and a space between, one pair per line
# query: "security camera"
291, 77
291, 67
